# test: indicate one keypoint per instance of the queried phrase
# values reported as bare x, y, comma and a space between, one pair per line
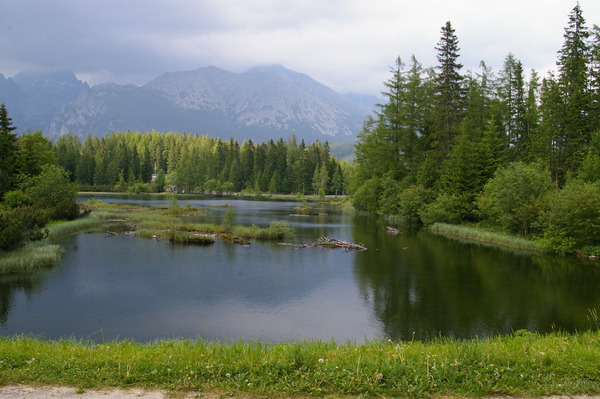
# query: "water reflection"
426, 285
416, 285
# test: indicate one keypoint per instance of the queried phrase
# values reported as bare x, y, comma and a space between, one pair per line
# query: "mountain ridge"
265, 102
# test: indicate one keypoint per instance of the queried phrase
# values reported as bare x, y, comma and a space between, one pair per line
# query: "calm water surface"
416, 285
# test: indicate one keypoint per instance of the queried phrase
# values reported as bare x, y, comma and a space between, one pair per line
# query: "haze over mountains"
262, 103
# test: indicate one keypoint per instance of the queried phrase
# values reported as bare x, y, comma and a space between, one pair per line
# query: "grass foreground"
523, 364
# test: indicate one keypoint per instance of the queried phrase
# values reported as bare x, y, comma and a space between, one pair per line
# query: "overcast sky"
348, 45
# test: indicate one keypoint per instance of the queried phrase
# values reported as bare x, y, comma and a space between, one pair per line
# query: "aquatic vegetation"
164, 223
473, 233
32, 257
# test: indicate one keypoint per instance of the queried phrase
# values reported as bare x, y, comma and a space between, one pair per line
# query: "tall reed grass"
32, 257
72, 226
480, 235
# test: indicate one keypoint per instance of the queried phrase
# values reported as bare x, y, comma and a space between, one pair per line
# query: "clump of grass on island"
480, 235
523, 364
30, 258
166, 224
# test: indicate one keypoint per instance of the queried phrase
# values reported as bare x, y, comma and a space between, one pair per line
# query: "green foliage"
514, 198
572, 218
281, 229
200, 164
8, 152
32, 257
160, 181
19, 225
447, 208
35, 152
367, 196
412, 200
16, 199
53, 190
493, 137
228, 220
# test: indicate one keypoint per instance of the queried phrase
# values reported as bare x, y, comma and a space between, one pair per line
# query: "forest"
183, 163
506, 150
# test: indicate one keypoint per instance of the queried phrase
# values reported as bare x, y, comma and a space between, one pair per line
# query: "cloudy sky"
348, 45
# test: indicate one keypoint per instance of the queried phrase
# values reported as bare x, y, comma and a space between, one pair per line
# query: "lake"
416, 285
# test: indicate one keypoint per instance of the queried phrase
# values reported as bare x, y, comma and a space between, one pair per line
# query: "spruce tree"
449, 92
573, 63
8, 152
595, 79
512, 95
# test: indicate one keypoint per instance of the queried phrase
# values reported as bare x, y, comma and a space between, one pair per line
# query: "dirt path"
27, 392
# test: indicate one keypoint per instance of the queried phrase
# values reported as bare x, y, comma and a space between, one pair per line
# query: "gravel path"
27, 392
24, 392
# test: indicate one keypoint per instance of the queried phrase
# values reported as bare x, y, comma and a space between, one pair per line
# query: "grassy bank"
41, 254
480, 235
32, 257
520, 365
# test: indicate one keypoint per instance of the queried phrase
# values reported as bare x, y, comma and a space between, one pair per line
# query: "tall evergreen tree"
449, 92
512, 95
8, 151
595, 79
573, 63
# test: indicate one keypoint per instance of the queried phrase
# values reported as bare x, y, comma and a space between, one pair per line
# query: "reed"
32, 257
484, 236
62, 228
520, 365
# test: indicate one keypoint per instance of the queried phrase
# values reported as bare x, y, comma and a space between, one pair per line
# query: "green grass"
166, 224
481, 235
524, 364
67, 227
32, 257
176, 236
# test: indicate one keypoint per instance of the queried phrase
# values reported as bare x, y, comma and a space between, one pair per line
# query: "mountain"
263, 103
37, 97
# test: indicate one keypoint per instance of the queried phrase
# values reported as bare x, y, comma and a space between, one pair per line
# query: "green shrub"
446, 208
573, 216
20, 225
514, 197
281, 229
366, 198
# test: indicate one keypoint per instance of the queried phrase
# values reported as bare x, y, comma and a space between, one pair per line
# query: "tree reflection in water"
424, 285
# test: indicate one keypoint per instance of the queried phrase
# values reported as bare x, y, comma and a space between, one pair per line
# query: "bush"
447, 208
20, 225
367, 195
573, 216
53, 190
281, 229
16, 198
514, 197
412, 200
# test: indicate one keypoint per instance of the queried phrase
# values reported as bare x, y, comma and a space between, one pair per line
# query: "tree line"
184, 163
506, 149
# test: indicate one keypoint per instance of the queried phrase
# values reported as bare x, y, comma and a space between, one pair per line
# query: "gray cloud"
348, 45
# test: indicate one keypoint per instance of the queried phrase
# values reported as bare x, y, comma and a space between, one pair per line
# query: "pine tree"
573, 63
449, 92
595, 80
512, 95
8, 152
